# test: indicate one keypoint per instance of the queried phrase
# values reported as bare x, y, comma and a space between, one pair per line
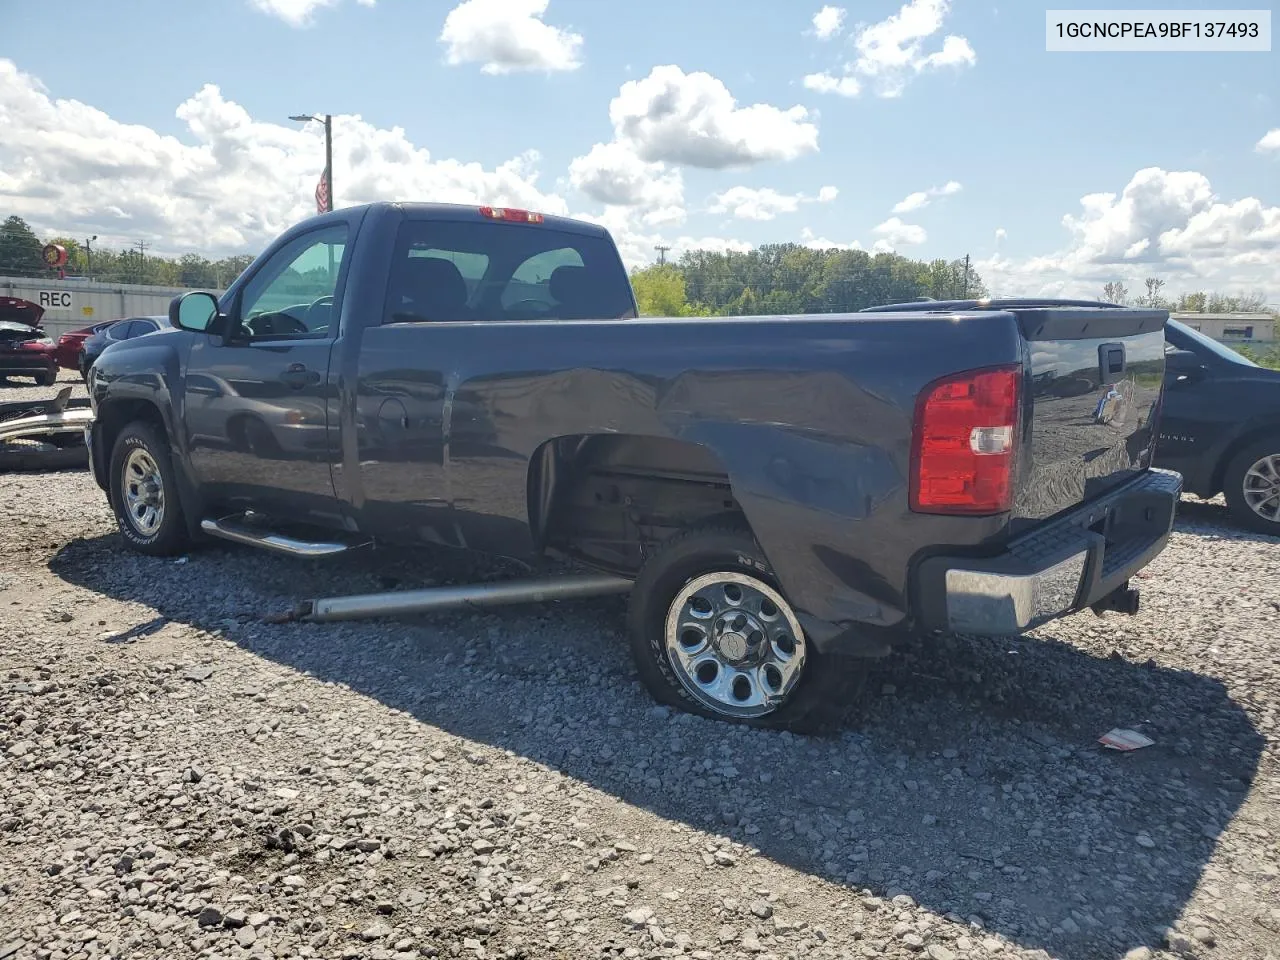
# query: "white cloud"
894, 233
912, 201
1163, 223
229, 185
297, 13
507, 36
637, 242
828, 21
612, 174
1271, 141
826, 83
764, 203
808, 239
714, 244
692, 119
893, 51
921, 198
1001, 233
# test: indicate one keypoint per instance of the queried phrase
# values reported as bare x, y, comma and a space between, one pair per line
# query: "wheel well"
111, 418
1236, 445
609, 498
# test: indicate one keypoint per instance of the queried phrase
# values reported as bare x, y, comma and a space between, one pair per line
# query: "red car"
25, 351
68, 350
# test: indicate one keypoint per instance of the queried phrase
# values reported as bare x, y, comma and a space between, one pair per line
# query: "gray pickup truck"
773, 491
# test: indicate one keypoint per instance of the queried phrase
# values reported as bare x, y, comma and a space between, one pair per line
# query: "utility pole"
88, 252
662, 253
142, 259
966, 277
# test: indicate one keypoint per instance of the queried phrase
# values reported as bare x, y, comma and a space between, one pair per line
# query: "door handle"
298, 376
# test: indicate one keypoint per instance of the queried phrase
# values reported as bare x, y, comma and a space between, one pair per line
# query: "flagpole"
328, 160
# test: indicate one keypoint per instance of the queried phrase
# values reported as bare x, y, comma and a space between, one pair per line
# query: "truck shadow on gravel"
969, 780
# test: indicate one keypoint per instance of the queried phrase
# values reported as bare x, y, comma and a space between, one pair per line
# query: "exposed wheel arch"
610, 498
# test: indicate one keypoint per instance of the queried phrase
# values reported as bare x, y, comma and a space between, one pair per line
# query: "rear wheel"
47, 379
144, 492
712, 633
1252, 486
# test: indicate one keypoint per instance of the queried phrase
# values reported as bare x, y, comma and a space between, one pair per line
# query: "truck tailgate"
1096, 376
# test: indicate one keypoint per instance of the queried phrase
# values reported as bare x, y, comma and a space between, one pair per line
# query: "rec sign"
54, 299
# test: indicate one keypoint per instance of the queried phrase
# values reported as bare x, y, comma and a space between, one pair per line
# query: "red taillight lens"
510, 214
964, 441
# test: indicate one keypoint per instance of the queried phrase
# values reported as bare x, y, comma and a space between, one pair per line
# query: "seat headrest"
433, 287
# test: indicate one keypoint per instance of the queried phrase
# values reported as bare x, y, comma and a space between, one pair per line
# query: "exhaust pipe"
1123, 599
432, 599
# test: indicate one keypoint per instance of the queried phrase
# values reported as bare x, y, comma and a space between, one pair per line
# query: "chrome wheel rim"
1262, 488
735, 644
143, 492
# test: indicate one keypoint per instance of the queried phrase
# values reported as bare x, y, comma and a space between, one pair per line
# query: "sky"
932, 128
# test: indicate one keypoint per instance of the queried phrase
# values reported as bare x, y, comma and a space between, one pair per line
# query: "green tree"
20, 249
1115, 292
1192, 302
660, 292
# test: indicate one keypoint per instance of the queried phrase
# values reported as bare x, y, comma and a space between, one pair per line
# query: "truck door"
257, 416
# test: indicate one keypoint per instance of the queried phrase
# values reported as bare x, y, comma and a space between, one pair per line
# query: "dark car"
69, 344
771, 490
26, 351
114, 332
1221, 426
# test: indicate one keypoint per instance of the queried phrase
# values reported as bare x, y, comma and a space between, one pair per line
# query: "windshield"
1197, 342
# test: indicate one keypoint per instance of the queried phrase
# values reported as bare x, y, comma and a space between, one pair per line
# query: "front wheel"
1252, 486
712, 633
144, 492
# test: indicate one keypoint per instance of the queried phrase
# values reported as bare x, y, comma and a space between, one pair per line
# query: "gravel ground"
179, 778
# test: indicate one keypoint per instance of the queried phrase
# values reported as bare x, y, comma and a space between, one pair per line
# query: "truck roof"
470, 212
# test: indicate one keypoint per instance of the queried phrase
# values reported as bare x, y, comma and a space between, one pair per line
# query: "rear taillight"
510, 214
963, 443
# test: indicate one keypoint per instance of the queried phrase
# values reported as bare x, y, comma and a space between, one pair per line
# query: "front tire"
144, 492
711, 633
1252, 486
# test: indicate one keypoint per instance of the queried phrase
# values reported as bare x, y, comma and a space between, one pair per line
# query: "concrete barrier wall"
72, 304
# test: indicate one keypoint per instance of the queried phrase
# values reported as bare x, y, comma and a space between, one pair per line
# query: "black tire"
821, 689
1233, 482
170, 535
47, 379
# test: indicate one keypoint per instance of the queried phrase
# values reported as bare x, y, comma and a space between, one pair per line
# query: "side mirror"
193, 311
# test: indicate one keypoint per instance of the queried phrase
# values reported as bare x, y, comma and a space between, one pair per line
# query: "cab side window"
292, 295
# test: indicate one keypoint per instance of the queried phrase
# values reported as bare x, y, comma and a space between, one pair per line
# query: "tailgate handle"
1111, 362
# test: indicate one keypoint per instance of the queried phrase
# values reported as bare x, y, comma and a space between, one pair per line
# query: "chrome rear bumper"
1057, 568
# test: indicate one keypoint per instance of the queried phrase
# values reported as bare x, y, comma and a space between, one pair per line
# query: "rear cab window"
467, 271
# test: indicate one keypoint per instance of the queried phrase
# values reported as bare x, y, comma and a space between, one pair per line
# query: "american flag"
322, 193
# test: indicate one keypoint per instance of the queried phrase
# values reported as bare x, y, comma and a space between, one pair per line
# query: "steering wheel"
539, 308
319, 302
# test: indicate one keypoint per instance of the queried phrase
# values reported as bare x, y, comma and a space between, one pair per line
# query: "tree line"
773, 278
20, 256
789, 278
1198, 301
